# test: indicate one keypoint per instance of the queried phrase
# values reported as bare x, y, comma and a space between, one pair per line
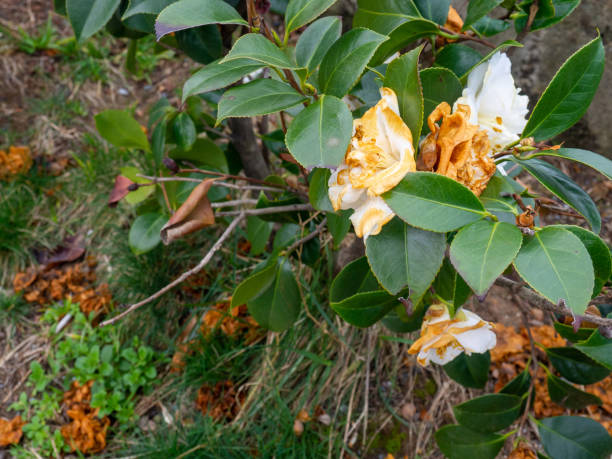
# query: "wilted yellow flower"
379, 156
456, 148
442, 338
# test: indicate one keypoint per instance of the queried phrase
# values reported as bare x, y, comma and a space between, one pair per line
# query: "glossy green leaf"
599, 252
488, 26
255, 284
142, 193
356, 277
434, 10
477, 9
316, 41
598, 348
301, 12
489, 413
556, 265
318, 190
500, 47
402, 76
144, 232
458, 58
398, 321
519, 385
564, 188
574, 437
152, 7
258, 233
158, 142
277, 307
576, 367
569, 396
567, 332
258, 97
186, 14
402, 36
121, 129
434, 202
338, 225
89, 16
546, 17
458, 442
482, 251
384, 15
598, 162
184, 131
202, 44
450, 286
346, 59
258, 48
439, 85
401, 255
320, 134
218, 75
204, 153
569, 94
469, 370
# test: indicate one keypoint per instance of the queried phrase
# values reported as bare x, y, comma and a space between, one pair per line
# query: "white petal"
478, 340
343, 195
449, 354
369, 218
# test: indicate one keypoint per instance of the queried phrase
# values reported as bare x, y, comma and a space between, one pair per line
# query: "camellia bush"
404, 132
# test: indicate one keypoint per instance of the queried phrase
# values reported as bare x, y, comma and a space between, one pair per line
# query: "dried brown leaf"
120, 190
10, 431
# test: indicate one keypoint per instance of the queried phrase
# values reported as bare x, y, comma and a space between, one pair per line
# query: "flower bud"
171, 165
133, 186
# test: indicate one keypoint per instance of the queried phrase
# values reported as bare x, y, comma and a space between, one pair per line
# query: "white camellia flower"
379, 156
442, 338
495, 102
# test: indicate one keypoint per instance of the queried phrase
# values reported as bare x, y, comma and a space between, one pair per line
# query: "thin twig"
216, 246
310, 236
267, 210
534, 362
233, 186
234, 203
234, 177
166, 200
463, 36
542, 303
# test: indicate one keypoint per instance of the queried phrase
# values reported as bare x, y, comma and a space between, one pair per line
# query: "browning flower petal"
442, 338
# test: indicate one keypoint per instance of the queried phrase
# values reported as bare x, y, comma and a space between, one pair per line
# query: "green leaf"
546, 17
576, 367
500, 47
218, 75
482, 251
434, 10
489, 413
205, 153
564, 188
144, 232
477, 9
434, 202
254, 285
120, 128
458, 442
186, 14
574, 437
278, 306
458, 58
356, 296
599, 252
320, 134
402, 255
301, 12
398, 321
338, 225
318, 190
598, 162
89, 16
153, 7
439, 85
450, 286
567, 332
402, 76
384, 15
139, 195
158, 142
316, 41
556, 265
258, 97
402, 36
569, 396
519, 385
346, 59
598, 348
469, 370
258, 48
569, 94
203, 44
258, 233
487, 26
184, 131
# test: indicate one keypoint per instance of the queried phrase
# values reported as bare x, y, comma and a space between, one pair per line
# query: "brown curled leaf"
195, 213
120, 190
